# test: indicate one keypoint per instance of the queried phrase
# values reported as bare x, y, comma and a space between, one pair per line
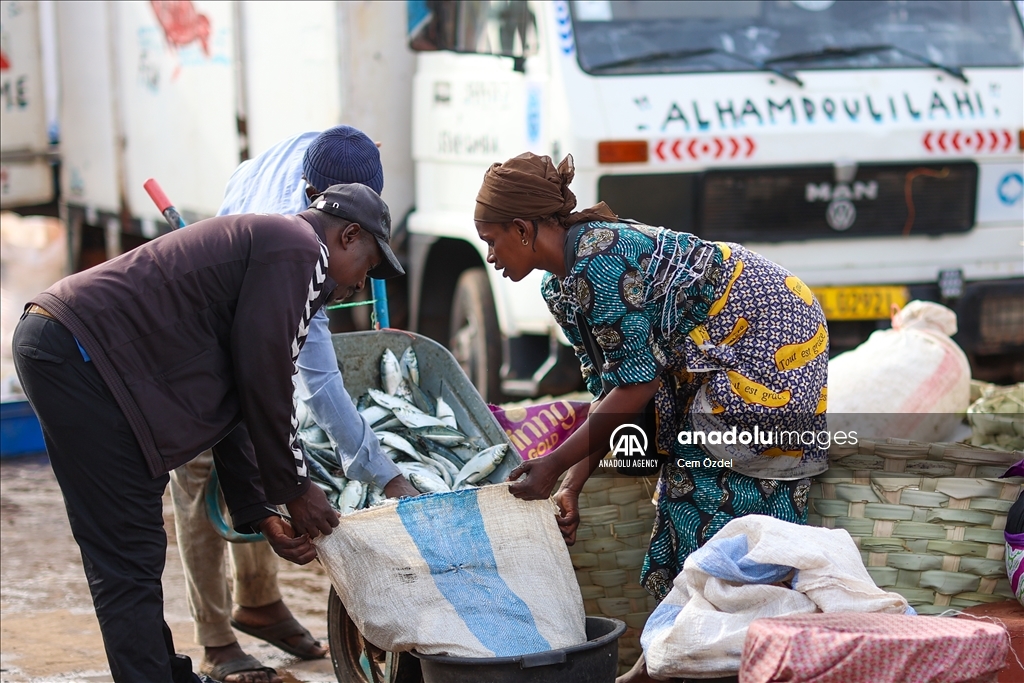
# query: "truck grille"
797, 203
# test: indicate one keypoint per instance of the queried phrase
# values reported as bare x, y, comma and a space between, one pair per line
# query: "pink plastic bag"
537, 430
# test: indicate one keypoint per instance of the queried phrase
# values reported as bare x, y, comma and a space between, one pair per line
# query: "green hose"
213, 511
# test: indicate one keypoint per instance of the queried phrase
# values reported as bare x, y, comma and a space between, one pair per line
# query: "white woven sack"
473, 573
909, 382
699, 628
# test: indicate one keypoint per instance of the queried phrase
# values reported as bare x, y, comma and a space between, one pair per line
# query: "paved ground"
48, 631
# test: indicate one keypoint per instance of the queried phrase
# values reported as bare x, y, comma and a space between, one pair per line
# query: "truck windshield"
780, 36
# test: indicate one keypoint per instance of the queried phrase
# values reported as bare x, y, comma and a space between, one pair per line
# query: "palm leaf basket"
616, 519
928, 518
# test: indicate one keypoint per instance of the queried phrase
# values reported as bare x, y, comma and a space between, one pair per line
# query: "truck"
26, 153
874, 149
184, 91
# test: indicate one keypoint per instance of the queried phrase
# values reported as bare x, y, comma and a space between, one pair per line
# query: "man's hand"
285, 542
399, 487
568, 502
541, 476
312, 514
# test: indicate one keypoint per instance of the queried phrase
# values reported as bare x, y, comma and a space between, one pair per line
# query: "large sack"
472, 573
746, 572
909, 382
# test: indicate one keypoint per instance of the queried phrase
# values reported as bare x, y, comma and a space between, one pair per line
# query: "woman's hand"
568, 502
541, 476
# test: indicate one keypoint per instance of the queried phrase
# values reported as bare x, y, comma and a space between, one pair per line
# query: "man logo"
628, 441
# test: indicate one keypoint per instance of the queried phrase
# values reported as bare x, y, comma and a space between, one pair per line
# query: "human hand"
312, 514
399, 487
541, 476
568, 518
285, 542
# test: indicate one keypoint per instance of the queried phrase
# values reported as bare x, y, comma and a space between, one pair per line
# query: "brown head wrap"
529, 186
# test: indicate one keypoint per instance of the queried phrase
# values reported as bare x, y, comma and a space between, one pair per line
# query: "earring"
525, 242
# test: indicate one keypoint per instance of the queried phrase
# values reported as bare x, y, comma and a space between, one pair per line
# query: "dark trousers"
113, 503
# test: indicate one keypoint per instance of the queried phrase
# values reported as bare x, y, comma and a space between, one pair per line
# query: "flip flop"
275, 634
244, 664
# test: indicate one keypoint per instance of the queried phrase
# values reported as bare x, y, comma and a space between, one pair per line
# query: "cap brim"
389, 266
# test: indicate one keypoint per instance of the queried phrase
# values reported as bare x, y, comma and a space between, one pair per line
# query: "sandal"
275, 634
244, 664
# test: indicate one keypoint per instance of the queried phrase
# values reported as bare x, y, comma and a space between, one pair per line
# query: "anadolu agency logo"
627, 441
627, 447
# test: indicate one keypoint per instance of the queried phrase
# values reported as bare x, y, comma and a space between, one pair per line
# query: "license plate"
860, 303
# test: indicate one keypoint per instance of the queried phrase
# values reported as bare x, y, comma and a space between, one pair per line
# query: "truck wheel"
475, 338
357, 661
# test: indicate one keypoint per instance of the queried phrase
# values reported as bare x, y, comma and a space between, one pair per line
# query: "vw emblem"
841, 214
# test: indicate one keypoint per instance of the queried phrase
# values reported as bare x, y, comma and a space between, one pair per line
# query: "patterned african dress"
741, 348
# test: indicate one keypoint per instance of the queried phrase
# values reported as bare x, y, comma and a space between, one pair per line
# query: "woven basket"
616, 518
928, 518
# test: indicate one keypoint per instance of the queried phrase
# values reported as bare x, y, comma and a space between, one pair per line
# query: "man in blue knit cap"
281, 180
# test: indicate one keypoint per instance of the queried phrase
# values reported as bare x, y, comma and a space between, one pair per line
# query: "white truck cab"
872, 148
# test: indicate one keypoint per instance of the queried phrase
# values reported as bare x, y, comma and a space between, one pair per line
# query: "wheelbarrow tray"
440, 375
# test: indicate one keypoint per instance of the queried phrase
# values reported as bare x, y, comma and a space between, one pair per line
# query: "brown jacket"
198, 331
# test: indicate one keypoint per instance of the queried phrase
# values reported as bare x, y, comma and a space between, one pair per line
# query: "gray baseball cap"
360, 204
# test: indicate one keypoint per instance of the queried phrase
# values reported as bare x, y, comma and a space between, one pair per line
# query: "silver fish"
465, 452
387, 424
390, 372
435, 448
375, 496
423, 478
352, 498
404, 392
398, 443
446, 436
326, 488
485, 462
414, 419
447, 468
445, 414
374, 413
390, 402
421, 399
428, 483
320, 474
410, 366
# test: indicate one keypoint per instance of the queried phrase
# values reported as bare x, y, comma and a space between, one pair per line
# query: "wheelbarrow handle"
159, 197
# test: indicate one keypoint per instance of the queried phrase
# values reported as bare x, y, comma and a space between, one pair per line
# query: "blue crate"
20, 433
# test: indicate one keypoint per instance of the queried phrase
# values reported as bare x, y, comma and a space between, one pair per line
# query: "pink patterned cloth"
843, 647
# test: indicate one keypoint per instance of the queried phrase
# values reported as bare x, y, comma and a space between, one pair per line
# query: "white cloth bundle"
699, 629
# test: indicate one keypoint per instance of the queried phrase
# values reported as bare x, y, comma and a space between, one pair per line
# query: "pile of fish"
418, 432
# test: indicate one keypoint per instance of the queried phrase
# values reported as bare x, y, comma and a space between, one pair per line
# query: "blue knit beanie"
343, 155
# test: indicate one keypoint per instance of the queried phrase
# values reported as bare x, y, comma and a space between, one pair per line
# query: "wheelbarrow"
354, 659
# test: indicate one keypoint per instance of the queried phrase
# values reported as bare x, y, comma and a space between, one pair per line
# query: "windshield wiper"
686, 54
829, 52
